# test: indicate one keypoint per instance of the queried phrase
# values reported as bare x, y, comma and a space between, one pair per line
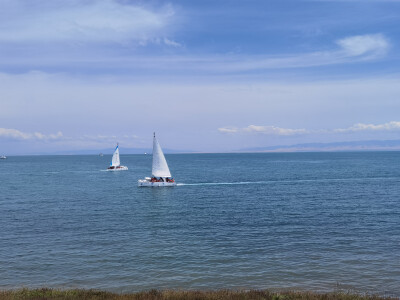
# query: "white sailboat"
3, 157
115, 162
161, 176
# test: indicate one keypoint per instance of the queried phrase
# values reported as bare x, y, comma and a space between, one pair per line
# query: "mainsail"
160, 166
115, 159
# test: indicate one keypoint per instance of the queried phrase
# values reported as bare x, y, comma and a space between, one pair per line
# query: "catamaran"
115, 162
161, 176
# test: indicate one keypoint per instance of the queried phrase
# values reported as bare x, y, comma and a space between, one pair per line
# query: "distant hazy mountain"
374, 145
337, 146
111, 150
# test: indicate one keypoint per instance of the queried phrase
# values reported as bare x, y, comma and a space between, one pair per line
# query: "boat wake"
289, 181
224, 183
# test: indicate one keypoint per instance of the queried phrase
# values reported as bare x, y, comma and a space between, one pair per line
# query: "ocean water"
319, 221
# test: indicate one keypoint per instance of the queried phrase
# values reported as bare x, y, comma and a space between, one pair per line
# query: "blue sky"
205, 75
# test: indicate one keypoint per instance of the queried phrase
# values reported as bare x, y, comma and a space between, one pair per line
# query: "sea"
281, 221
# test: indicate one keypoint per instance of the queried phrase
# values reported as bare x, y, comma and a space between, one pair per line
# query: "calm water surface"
321, 221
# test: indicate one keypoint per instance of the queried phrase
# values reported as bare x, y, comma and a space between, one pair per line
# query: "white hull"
120, 168
146, 183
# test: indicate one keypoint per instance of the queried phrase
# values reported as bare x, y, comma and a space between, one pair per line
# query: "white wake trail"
224, 183
289, 181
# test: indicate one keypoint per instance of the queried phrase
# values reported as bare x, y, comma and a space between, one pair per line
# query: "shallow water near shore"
312, 221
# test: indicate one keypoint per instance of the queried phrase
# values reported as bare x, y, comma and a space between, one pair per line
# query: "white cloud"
106, 138
15, 134
228, 130
274, 130
150, 29
390, 126
82, 141
278, 131
172, 43
269, 130
22, 21
350, 50
373, 44
48, 102
364, 1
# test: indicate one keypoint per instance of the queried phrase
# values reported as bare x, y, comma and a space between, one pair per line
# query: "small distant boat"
101, 154
3, 157
115, 162
161, 176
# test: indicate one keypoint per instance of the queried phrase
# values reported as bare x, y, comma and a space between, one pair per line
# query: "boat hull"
146, 183
120, 168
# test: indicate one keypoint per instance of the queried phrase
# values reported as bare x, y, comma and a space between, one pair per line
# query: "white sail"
115, 159
160, 166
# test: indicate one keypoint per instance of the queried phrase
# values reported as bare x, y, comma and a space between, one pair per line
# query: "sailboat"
115, 162
3, 157
161, 176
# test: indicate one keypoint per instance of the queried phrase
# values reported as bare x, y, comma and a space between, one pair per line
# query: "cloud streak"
15, 134
269, 130
373, 45
351, 49
102, 21
360, 48
392, 126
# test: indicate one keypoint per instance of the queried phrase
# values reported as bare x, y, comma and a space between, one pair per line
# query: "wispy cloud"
106, 138
363, 1
352, 49
15, 134
270, 130
172, 43
102, 21
278, 131
374, 45
229, 130
390, 126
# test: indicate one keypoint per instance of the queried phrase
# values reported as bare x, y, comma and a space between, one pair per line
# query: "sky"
207, 76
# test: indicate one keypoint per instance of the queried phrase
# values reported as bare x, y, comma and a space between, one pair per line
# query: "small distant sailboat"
161, 176
3, 157
115, 162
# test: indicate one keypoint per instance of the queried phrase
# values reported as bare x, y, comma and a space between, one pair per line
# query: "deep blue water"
321, 221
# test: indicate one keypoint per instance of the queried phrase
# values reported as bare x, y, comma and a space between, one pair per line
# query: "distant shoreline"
47, 293
353, 146
282, 151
